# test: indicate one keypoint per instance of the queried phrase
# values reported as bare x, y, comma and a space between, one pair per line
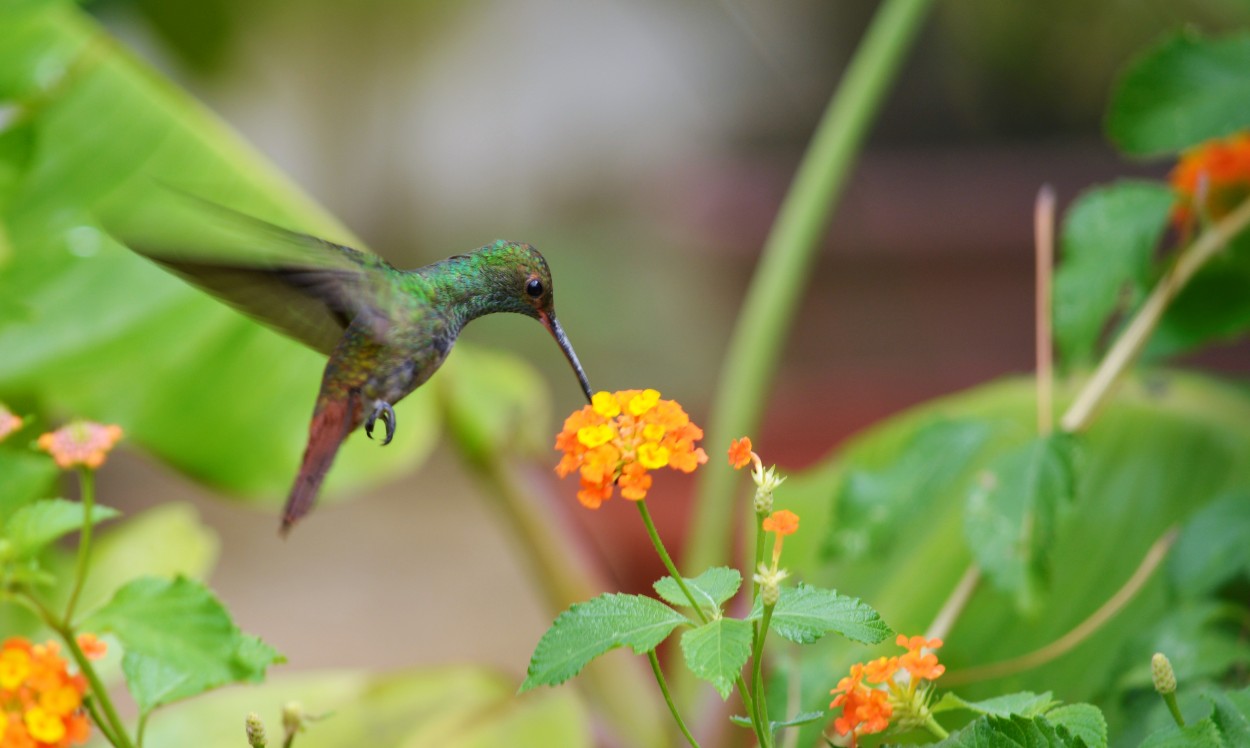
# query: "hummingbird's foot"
383, 410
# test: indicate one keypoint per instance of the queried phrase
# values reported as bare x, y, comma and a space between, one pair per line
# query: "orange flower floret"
783, 522
92, 646
864, 710
620, 437
740, 452
80, 443
8, 422
1212, 177
40, 701
920, 661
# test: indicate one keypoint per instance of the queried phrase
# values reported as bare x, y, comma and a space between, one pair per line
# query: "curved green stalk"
668, 561
787, 258
668, 698
86, 482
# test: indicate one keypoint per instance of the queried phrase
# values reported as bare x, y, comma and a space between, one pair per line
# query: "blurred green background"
644, 147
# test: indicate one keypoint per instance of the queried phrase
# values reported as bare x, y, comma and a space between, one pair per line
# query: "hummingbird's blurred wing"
305, 287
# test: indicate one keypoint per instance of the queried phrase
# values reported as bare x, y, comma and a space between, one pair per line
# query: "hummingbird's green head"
520, 281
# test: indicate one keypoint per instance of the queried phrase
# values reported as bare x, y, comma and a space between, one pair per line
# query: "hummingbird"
384, 330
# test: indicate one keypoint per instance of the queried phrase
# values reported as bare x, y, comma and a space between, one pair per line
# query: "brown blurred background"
644, 146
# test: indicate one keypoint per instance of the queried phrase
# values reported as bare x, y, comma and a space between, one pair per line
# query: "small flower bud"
1162, 674
293, 718
766, 481
255, 731
769, 581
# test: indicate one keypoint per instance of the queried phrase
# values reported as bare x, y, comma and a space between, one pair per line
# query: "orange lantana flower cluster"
620, 437
82, 443
895, 691
1211, 178
40, 701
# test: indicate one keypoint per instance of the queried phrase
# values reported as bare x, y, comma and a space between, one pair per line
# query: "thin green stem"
761, 729
141, 729
98, 718
757, 666
668, 698
935, 729
668, 561
772, 299
759, 557
86, 482
99, 693
1174, 708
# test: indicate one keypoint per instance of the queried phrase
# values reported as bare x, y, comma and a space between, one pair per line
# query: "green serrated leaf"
1023, 704
717, 651
872, 503
1108, 239
804, 613
1231, 713
1012, 732
1184, 91
587, 630
34, 526
710, 589
1013, 511
179, 641
1200, 734
1084, 721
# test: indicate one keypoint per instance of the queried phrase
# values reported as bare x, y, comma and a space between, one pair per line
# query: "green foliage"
710, 589
1212, 307
179, 641
1013, 732
1212, 547
1023, 704
1227, 724
1185, 90
804, 614
31, 528
27, 477
1013, 512
873, 502
717, 651
1084, 721
587, 630
1108, 241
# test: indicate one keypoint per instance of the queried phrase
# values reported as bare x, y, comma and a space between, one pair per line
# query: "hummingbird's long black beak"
553, 325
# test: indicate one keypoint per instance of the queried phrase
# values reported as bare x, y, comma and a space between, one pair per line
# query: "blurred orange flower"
621, 436
8, 422
740, 452
783, 522
83, 443
1211, 178
920, 663
40, 701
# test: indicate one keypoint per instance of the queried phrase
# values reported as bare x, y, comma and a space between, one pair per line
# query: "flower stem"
99, 693
759, 557
757, 666
1174, 708
98, 718
787, 257
668, 699
668, 561
935, 729
86, 482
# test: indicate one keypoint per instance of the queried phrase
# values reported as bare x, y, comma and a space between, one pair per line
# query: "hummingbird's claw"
383, 410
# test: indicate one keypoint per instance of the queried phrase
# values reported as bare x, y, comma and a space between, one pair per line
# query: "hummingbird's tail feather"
332, 421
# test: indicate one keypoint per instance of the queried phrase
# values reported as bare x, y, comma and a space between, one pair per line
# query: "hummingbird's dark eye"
534, 288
